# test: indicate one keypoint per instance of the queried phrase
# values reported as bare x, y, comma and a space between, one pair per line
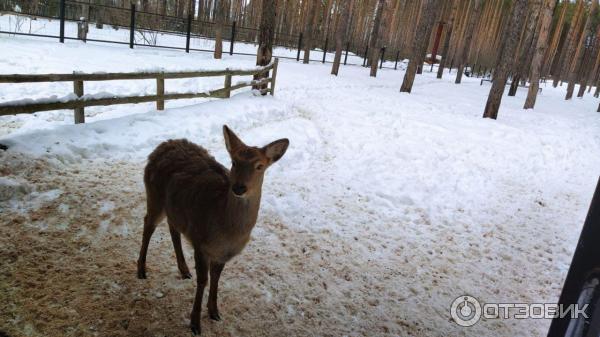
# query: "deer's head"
249, 163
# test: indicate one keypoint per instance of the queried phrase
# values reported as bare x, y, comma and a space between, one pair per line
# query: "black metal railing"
144, 26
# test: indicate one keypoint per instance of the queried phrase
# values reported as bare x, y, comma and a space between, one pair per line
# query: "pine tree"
577, 60
308, 32
449, 30
342, 27
221, 8
265, 37
569, 45
540, 51
420, 41
464, 51
374, 40
505, 61
525, 47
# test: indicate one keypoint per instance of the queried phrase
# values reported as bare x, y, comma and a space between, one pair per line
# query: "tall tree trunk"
507, 55
374, 45
595, 55
308, 31
423, 52
162, 8
340, 33
220, 21
446, 47
577, 60
192, 8
428, 16
540, 51
554, 42
464, 52
266, 37
180, 8
526, 45
570, 43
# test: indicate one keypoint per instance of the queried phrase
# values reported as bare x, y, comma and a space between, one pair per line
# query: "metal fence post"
397, 56
62, 22
232, 38
347, 48
382, 57
299, 47
325, 49
132, 26
187, 33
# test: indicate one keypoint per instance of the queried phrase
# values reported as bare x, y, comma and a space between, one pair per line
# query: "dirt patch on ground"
68, 252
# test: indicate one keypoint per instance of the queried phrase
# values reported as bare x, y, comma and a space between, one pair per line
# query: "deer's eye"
259, 167
233, 163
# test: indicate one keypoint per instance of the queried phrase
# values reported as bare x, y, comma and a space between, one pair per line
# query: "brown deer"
214, 208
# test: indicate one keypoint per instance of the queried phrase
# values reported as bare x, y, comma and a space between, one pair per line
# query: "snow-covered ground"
386, 207
70, 57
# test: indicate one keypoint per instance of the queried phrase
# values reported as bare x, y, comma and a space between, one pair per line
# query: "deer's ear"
276, 149
232, 142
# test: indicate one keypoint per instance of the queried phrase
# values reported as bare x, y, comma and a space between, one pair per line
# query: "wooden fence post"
274, 76
160, 92
79, 112
227, 85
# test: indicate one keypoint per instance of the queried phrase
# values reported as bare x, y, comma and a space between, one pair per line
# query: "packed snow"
386, 207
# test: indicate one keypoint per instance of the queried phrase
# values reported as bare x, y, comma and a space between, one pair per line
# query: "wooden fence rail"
80, 101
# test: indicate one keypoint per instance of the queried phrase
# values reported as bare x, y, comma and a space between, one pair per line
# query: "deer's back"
189, 183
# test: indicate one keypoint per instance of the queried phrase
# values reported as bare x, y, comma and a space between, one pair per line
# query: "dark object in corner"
583, 280
2, 333
3, 148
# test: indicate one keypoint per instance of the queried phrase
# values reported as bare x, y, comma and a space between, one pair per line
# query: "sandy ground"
68, 269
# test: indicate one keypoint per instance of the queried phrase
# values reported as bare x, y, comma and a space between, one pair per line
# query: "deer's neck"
241, 213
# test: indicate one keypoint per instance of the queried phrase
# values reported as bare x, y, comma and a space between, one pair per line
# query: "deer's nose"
239, 189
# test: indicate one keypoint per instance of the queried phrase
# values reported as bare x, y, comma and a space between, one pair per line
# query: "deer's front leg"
215, 274
202, 278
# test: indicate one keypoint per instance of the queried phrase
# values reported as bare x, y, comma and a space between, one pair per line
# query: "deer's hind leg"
181, 265
154, 215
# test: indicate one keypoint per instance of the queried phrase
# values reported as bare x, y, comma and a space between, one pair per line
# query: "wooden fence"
78, 102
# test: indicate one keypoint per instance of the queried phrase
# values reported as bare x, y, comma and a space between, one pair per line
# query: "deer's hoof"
141, 274
186, 275
214, 315
195, 329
